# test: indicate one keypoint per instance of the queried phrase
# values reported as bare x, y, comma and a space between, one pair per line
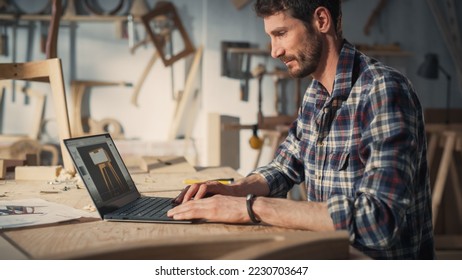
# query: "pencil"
225, 181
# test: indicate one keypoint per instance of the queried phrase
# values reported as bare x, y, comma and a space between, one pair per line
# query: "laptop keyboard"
146, 207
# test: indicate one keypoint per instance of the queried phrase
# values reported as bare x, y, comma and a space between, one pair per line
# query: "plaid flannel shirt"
362, 150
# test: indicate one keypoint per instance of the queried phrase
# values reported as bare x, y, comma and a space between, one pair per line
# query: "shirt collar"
344, 80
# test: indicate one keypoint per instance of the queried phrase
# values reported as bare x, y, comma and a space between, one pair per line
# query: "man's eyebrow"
277, 30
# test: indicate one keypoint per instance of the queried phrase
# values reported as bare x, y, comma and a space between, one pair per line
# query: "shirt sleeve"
285, 169
389, 147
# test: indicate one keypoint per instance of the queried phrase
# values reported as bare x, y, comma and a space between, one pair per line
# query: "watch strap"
249, 201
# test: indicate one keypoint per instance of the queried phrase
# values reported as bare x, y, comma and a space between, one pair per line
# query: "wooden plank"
456, 186
37, 172
443, 171
165, 164
60, 106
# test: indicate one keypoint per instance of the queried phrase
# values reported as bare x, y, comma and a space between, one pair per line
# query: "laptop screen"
102, 170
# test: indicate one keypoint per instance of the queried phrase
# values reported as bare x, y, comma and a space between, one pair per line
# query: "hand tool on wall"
236, 65
138, 8
13, 55
164, 26
51, 46
29, 51
245, 79
279, 77
258, 73
44, 25
255, 141
131, 31
4, 39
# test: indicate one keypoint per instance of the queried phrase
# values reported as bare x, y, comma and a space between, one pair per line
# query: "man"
358, 144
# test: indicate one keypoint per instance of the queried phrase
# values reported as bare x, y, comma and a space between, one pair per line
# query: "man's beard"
308, 59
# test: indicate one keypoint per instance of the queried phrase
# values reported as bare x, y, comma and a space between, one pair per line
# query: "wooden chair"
449, 138
50, 71
21, 146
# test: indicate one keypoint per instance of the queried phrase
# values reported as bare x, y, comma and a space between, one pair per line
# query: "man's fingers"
199, 190
202, 191
190, 192
179, 198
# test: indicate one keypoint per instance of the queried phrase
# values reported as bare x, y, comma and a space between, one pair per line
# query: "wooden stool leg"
455, 182
432, 145
442, 174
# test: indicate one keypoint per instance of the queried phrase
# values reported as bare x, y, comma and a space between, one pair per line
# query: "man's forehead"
281, 20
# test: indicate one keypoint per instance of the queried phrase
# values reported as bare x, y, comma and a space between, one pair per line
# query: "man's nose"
276, 50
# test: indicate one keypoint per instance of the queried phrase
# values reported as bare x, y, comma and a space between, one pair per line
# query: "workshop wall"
100, 54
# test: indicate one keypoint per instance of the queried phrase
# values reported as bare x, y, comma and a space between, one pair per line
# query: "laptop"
110, 185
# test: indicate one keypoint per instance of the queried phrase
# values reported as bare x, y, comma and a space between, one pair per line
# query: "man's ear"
322, 19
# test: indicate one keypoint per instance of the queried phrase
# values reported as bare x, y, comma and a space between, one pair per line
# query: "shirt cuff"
340, 210
277, 183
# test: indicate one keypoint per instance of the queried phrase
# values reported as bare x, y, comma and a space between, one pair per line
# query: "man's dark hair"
301, 9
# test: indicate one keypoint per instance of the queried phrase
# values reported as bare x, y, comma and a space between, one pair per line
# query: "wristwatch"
249, 201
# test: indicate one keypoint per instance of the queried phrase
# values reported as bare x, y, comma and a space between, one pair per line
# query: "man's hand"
216, 202
218, 208
201, 190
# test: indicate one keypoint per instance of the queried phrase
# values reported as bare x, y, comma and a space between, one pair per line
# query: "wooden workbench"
92, 238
